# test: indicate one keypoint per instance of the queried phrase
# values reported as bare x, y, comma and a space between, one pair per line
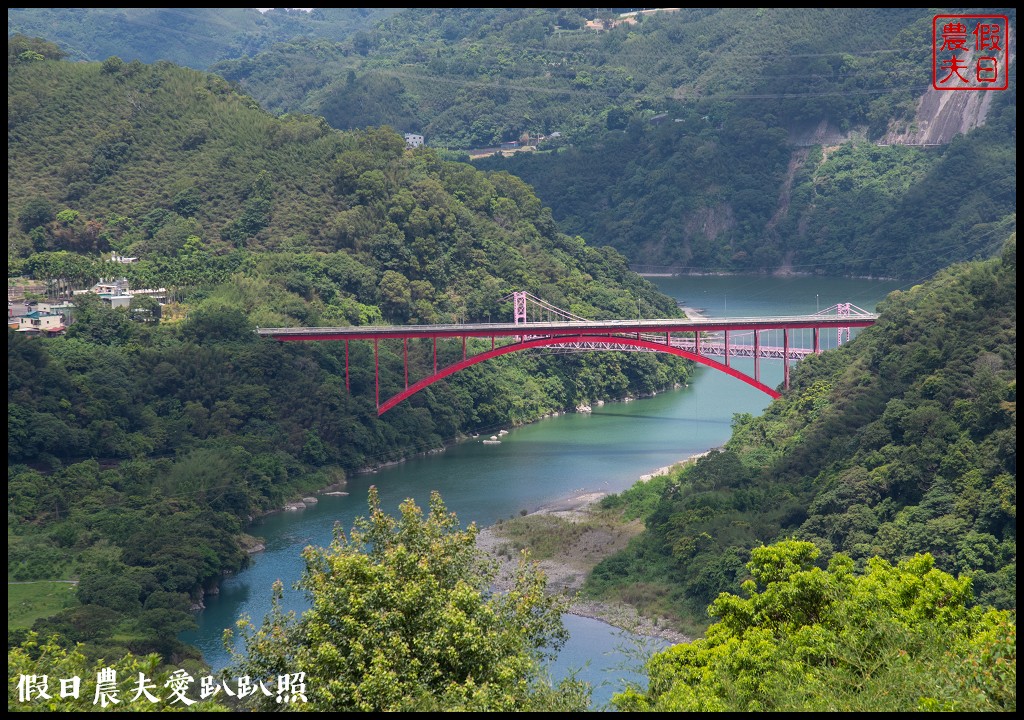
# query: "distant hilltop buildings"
412, 140
527, 143
628, 18
118, 293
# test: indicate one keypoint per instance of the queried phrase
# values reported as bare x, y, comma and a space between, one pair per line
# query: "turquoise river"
604, 451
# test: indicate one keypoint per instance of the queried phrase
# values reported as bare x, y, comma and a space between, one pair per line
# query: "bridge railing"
557, 330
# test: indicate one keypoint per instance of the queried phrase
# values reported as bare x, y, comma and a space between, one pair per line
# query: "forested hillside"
164, 163
192, 37
901, 442
472, 77
738, 196
708, 140
684, 136
140, 445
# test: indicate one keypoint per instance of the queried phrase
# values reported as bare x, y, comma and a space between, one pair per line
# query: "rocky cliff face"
941, 115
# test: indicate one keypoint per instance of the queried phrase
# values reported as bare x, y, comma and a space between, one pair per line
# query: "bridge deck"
706, 338
600, 327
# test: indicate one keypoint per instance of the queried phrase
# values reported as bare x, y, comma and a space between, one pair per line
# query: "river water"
606, 451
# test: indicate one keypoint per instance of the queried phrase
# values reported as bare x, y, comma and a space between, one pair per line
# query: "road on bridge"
703, 340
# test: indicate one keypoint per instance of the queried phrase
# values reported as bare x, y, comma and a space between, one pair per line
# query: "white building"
413, 141
36, 322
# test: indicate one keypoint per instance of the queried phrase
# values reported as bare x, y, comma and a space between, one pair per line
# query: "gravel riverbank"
568, 572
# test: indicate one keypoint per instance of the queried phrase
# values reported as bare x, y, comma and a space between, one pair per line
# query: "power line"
620, 95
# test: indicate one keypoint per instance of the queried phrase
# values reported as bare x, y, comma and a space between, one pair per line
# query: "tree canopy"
45, 676
403, 618
900, 638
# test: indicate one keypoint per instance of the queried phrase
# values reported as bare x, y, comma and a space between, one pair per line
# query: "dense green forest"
684, 133
138, 445
892, 637
901, 442
738, 195
677, 132
192, 37
472, 77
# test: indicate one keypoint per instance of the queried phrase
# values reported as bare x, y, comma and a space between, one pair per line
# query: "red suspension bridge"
538, 324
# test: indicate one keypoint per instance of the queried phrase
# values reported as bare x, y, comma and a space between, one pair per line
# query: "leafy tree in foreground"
403, 618
897, 638
42, 676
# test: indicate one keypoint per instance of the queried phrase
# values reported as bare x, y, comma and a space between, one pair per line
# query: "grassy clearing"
29, 601
582, 538
544, 535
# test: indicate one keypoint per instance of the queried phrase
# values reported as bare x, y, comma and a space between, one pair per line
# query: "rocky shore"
568, 572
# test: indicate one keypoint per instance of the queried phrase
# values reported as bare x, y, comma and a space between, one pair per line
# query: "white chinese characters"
290, 688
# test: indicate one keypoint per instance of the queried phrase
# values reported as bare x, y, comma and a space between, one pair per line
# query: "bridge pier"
757, 355
785, 358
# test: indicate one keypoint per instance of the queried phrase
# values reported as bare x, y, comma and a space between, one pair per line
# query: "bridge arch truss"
711, 342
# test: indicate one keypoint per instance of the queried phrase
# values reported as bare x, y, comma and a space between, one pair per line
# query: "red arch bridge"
713, 342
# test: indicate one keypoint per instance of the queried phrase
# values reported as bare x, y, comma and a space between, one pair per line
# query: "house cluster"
117, 293
528, 142
39, 318
53, 318
626, 18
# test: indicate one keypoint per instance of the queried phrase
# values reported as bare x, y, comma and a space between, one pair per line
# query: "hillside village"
29, 313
